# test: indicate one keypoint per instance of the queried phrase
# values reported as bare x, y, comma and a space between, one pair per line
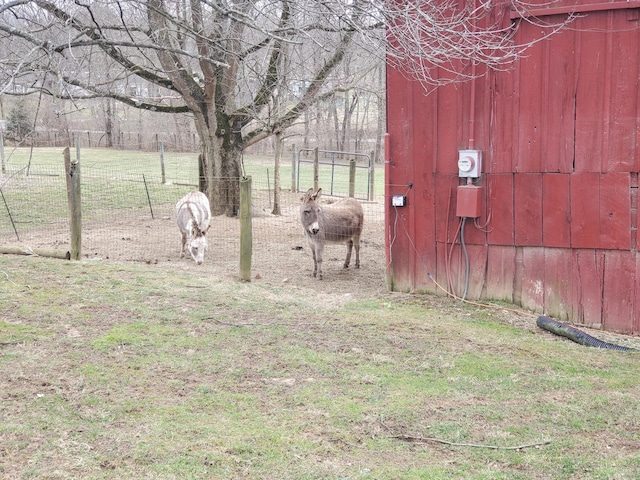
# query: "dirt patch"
280, 252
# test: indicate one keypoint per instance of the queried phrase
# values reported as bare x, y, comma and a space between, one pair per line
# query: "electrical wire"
466, 259
449, 259
485, 226
431, 277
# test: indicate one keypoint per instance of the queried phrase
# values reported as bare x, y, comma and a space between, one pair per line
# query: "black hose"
576, 335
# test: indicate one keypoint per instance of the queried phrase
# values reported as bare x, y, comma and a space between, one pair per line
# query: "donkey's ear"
307, 196
316, 195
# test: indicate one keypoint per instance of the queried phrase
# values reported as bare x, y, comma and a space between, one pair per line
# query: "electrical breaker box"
469, 201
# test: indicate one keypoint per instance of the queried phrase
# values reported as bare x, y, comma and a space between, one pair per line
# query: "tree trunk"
307, 128
221, 172
109, 124
336, 123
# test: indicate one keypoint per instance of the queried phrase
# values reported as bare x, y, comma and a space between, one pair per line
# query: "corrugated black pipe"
576, 335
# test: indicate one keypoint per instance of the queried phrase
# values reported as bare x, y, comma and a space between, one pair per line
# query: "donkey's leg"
184, 242
347, 260
315, 261
356, 244
318, 260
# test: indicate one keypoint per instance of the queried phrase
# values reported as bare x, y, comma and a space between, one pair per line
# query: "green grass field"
115, 370
34, 186
182, 168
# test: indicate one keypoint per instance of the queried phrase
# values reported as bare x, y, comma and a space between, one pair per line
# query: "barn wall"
559, 133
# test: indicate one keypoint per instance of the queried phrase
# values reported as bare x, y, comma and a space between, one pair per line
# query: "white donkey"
193, 215
340, 222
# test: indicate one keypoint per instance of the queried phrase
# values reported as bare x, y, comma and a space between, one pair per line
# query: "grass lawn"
182, 168
116, 370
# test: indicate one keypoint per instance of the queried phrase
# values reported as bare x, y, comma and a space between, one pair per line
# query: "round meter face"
466, 163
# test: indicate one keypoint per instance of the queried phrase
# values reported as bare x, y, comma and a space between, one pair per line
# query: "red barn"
550, 222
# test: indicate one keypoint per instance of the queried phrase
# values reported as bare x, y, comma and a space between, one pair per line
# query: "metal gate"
332, 168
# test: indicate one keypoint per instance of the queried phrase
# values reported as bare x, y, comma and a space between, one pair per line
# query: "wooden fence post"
72, 170
161, 147
2, 160
293, 169
246, 233
352, 177
316, 168
372, 173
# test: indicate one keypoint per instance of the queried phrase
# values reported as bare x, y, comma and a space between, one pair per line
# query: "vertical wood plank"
591, 82
500, 205
500, 154
559, 104
615, 211
585, 205
423, 193
558, 283
440, 275
619, 291
425, 237
477, 268
587, 270
445, 213
531, 99
398, 173
533, 278
450, 124
528, 209
556, 210
500, 272
623, 133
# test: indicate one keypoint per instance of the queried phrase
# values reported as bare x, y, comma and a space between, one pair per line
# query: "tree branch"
311, 95
409, 438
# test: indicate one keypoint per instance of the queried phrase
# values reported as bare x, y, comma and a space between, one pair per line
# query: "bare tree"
220, 61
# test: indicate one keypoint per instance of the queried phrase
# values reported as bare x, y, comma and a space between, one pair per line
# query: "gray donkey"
340, 222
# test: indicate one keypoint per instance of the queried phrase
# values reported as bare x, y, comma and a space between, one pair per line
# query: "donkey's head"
197, 242
309, 211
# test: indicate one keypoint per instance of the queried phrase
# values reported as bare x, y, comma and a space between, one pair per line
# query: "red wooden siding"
528, 209
619, 290
556, 211
559, 133
500, 193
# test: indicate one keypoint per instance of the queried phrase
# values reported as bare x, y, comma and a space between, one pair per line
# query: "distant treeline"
124, 140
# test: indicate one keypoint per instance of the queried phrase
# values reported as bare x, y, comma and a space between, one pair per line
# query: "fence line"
128, 213
336, 166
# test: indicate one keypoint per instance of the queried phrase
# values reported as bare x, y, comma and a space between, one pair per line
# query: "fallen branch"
414, 439
409, 438
12, 342
248, 324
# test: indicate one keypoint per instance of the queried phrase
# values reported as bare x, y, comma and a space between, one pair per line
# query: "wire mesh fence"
128, 212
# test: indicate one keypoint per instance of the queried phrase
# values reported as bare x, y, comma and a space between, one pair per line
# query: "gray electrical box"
398, 201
